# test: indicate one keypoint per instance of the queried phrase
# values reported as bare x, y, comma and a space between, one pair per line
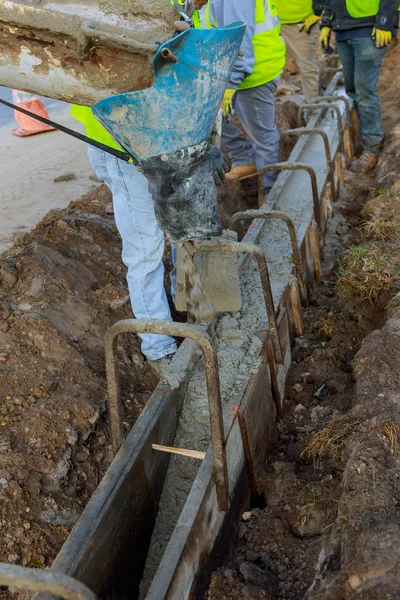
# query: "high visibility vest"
294, 11
362, 8
269, 48
94, 129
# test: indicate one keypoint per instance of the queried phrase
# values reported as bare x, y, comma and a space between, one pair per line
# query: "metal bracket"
343, 99
38, 581
221, 245
291, 166
183, 330
327, 105
275, 214
305, 131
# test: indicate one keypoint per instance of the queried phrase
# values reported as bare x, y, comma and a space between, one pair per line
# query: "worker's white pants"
142, 245
256, 110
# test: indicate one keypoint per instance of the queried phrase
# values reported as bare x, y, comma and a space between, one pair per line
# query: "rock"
3, 484
246, 516
354, 582
298, 387
252, 556
4, 328
253, 575
299, 408
314, 415
313, 525
66, 177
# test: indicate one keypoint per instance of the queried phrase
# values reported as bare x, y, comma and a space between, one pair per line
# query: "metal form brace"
38, 581
183, 330
343, 99
281, 216
291, 166
221, 245
327, 105
306, 131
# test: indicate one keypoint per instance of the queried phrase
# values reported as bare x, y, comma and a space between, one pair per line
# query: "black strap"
79, 136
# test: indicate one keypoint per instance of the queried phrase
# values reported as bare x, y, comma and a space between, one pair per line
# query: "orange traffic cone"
29, 125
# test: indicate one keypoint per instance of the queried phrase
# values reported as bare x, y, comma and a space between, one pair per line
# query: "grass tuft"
326, 327
391, 432
366, 271
379, 229
329, 442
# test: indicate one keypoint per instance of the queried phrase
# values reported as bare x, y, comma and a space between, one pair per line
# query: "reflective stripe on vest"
359, 9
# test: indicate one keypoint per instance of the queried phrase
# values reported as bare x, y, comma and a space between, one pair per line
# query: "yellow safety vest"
269, 48
359, 9
294, 11
94, 129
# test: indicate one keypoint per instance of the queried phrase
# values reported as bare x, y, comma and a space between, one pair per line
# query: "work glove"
309, 23
220, 165
382, 38
324, 39
227, 102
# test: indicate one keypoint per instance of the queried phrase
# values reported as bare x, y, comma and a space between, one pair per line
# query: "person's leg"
303, 46
368, 61
346, 54
235, 145
143, 245
256, 111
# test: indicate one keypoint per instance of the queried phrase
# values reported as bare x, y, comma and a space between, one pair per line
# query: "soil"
329, 516
62, 286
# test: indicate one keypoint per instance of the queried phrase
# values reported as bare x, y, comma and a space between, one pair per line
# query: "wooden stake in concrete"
339, 168
314, 245
181, 451
296, 309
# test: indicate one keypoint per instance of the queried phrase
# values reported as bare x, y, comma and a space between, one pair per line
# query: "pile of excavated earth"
328, 522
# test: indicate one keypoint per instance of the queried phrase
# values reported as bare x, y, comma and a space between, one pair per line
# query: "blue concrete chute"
167, 128
179, 110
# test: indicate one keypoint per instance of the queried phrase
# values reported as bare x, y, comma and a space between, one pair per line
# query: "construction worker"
299, 29
363, 29
252, 86
142, 239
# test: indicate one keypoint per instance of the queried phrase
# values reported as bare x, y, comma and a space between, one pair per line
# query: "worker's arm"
318, 7
226, 12
384, 18
327, 15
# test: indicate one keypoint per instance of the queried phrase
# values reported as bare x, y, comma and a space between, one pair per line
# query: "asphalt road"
7, 115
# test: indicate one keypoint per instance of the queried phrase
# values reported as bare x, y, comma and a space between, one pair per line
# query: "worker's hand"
324, 38
219, 164
309, 23
227, 102
382, 38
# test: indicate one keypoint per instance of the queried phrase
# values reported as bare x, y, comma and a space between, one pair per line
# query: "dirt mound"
61, 287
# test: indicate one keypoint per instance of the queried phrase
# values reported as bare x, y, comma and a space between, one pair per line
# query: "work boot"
241, 171
365, 163
160, 365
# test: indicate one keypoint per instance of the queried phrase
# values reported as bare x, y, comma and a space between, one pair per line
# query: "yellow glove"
324, 38
309, 23
382, 38
227, 102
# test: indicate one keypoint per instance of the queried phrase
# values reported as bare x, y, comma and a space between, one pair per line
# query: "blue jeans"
361, 61
142, 245
256, 110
